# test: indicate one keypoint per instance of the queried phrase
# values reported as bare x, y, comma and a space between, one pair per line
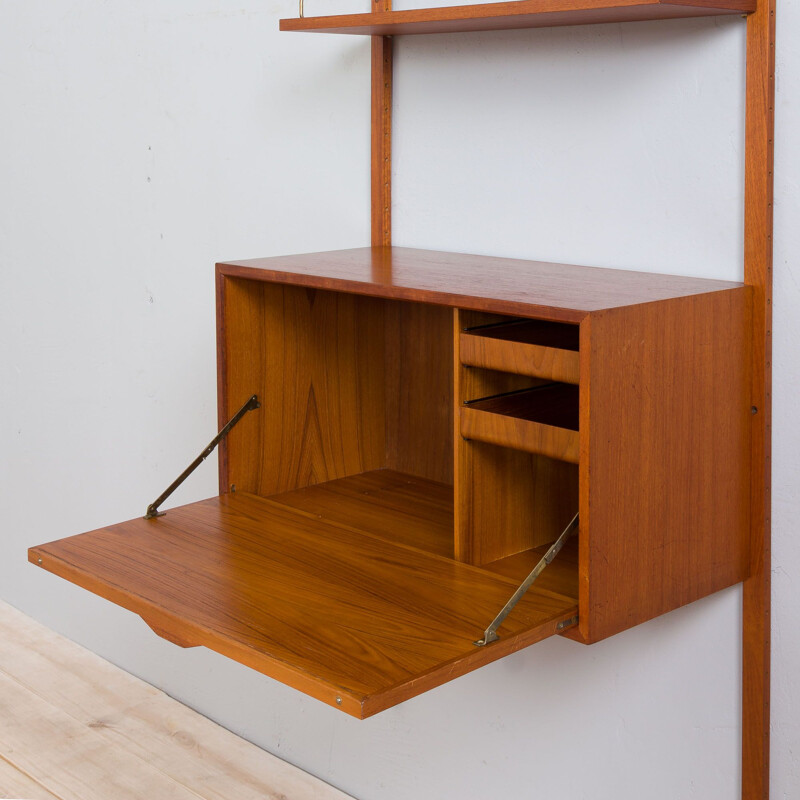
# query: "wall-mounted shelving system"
428, 423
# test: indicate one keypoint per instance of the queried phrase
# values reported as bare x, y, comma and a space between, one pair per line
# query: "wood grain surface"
543, 420
758, 221
399, 507
381, 136
509, 501
508, 15
316, 360
347, 384
351, 618
506, 501
75, 727
419, 390
558, 292
547, 350
560, 576
665, 479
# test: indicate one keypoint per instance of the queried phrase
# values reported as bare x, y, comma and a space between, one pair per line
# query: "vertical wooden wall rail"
381, 134
759, 131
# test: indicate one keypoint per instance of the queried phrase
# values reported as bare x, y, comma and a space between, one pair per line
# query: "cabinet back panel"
419, 390
508, 501
316, 359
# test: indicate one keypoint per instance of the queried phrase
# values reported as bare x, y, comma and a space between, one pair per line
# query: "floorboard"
75, 727
16, 784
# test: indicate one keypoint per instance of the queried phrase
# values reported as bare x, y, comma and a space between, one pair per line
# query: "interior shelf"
519, 14
542, 420
327, 589
531, 347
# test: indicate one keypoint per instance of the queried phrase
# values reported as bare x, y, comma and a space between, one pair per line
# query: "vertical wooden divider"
759, 131
381, 170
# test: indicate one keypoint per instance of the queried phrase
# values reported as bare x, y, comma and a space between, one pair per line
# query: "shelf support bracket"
152, 509
490, 634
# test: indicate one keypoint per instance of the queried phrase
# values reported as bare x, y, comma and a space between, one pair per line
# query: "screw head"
38, 560
338, 701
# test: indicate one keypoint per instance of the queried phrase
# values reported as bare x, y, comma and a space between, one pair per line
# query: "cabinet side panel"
667, 485
316, 361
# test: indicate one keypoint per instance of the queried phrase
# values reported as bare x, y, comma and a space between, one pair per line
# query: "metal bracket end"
490, 634
152, 510
567, 623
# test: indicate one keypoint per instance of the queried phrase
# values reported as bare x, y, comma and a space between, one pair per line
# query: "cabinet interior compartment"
514, 495
349, 385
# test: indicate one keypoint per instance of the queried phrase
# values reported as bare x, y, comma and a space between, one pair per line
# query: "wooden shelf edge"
520, 358
480, 657
192, 635
521, 434
359, 706
512, 15
564, 293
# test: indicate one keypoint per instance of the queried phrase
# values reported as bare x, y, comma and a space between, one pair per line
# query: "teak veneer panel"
419, 390
506, 501
347, 384
509, 501
664, 467
397, 506
758, 269
316, 360
561, 575
542, 421
503, 16
558, 292
531, 348
520, 434
350, 618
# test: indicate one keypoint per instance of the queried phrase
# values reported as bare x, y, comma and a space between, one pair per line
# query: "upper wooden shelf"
557, 292
520, 14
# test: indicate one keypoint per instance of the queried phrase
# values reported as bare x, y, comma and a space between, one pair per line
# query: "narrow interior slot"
554, 404
530, 331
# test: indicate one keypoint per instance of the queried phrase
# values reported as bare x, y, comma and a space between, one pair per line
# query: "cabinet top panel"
562, 292
519, 14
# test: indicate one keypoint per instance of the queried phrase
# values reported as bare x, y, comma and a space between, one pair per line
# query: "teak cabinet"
422, 437
422, 427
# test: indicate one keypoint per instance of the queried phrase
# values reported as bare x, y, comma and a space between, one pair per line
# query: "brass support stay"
152, 509
490, 634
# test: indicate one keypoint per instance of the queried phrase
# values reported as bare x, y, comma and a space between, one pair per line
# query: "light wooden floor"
74, 727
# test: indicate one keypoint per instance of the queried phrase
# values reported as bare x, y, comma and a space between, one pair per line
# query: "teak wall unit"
422, 427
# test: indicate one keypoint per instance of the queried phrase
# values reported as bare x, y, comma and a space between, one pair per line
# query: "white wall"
141, 142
